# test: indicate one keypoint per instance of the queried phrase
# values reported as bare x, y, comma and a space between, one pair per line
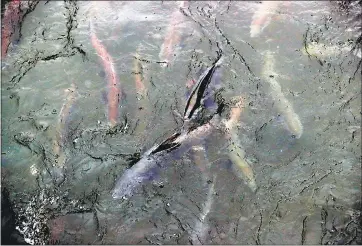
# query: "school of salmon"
192, 135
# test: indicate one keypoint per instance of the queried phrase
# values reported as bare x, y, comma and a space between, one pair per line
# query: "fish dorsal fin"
168, 145
197, 93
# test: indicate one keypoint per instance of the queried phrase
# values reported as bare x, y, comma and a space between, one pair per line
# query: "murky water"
61, 155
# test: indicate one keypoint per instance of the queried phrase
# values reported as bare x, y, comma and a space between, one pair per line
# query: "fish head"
294, 125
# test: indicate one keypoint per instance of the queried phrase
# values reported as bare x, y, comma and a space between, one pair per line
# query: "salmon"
320, 50
263, 16
235, 151
143, 102
114, 92
173, 36
284, 107
62, 125
201, 226
137, 67
10, 21
199, 152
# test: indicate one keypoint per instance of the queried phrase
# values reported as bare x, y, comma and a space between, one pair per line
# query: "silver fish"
284, 107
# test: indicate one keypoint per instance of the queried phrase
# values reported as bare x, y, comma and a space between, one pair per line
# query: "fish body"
200, 92
235, 151
199, 151
320, 50
191, 83
201, 226
209, 100
62, 125
138, 71
173, 36
143, 102
10, 21
157, 157
199, 157
284, 107
240, 166
263, 16
114, 93
173, 147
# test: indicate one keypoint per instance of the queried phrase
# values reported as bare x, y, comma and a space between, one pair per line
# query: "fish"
175, 146
263, 16
199, 157
201, 160
235, 151
199, 93
199, 151
143, 102
62, 124
138, 71
173, 36
159, 156
10, 22
283, 106
321, 50
191, 82
201, 226
115, 94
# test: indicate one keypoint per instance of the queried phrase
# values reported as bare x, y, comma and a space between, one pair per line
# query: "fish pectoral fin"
168, 145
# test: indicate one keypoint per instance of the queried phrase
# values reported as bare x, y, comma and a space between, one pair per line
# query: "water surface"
308, 188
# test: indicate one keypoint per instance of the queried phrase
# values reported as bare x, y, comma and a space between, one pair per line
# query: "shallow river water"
66, 138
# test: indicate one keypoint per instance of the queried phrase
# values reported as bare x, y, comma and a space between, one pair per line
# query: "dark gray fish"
159, 156
173, 147
197, 95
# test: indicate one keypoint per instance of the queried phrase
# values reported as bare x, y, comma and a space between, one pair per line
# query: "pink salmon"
114, 93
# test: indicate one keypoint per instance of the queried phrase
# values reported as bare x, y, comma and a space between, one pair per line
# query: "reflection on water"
92, 89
